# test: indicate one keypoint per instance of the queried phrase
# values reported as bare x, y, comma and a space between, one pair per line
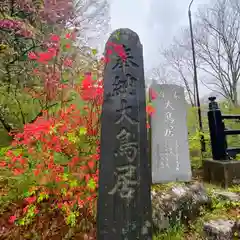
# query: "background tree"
217, 38
159, 74
25, 27
92, 21
21, 31
179, 57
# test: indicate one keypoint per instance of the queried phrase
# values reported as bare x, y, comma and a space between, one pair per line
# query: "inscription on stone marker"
126, 182
124, 202
169, 135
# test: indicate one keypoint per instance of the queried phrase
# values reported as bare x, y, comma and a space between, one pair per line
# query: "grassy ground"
53, 226
193, 231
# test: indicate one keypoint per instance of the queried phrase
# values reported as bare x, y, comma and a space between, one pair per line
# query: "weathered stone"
169, 135
124, 197
180, 203
219, 229
227, 196
224, 173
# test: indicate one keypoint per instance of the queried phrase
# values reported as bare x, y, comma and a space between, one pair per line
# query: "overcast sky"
155, 21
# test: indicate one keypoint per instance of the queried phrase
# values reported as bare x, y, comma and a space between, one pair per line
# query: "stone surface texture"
223, 173
124, 192
221, 229
169, 135
180, 203
227, 196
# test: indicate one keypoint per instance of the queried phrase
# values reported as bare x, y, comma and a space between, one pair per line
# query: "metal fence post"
216, 128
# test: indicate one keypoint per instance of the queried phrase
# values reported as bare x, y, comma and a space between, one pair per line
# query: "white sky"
155, 21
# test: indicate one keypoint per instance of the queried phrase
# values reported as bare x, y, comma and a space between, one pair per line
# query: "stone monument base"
224, 173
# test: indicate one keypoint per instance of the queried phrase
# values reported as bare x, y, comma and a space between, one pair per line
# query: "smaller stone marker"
169, 135
124, 197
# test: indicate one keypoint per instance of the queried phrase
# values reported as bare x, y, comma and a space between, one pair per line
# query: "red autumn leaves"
91, 89
150, 109
49, 135
52, 51
117, 48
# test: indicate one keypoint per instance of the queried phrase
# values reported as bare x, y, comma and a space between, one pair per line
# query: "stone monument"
169, 135
124, 200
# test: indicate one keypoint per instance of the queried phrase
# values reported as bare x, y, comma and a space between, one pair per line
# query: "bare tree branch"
178, 57
217, 38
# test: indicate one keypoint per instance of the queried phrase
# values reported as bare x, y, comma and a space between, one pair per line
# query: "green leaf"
26, 194
73, 183
82, 131
42, 196
82, 77
64, 81
94, 51
29, 193
94, 77
71, 137
73, 95
21, 222
66, 169
65, 176
17, 151
3, 151
64, 191
25, 57
91, 184
71, 219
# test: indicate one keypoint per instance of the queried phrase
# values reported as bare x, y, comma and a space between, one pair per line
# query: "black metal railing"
218, 132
